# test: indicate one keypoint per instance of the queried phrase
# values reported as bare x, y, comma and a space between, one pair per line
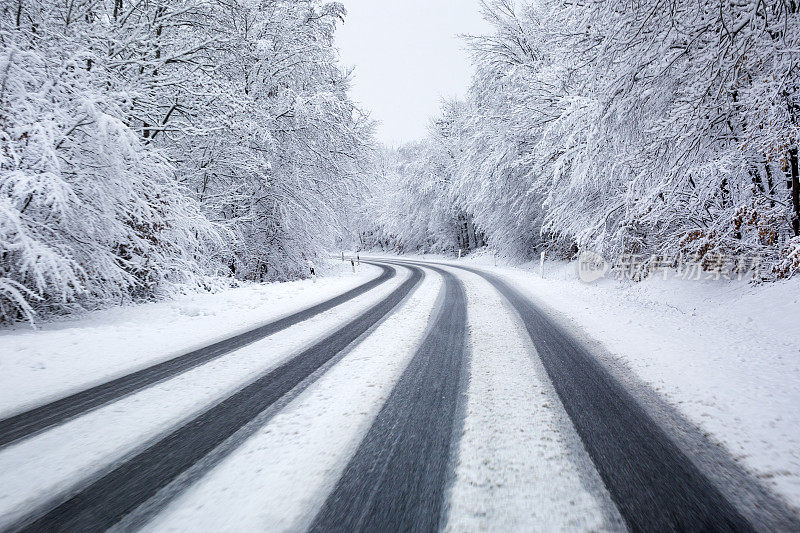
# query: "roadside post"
541, 265
313, 271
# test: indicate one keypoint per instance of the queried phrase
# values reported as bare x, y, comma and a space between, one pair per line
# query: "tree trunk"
795, 188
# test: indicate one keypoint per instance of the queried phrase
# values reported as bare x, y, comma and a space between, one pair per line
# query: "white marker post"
459, 253
541, 265
313, 271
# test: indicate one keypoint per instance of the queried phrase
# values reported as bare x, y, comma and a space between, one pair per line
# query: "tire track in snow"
654, 485
396, 479
282, 473
32, 421
49, 467
109, 499
516, 438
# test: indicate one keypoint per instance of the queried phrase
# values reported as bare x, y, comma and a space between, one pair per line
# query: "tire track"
28, 423
107, 500
396, 479
655, 486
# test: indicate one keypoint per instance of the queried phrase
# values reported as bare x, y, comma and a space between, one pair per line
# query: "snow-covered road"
434, 398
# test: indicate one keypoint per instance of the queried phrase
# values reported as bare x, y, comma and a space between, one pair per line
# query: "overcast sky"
407, 55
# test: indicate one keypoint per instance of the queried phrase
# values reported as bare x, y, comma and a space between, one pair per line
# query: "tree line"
652, 128
149, 146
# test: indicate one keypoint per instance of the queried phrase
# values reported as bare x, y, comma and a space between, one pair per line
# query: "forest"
150, 147
656, 128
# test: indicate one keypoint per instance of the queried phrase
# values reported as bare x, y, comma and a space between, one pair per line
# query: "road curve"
396, 479
107, 500
30, 422
655, 486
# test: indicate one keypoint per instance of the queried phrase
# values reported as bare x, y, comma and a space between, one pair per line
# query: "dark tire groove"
30, 422
396, 479
107, 500
655, 486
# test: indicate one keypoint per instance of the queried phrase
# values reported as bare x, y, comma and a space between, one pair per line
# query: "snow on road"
278, 478
34, 470
520, 464
65, 356
725, 354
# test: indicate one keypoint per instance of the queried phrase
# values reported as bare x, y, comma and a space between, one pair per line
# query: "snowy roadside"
277, 479
725, 354
51, 463
64, 356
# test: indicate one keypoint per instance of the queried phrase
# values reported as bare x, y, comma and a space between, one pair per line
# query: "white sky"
407, 56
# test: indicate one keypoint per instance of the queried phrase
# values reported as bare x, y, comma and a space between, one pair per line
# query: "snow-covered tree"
413, 206
644, 128
148, 145
87, 212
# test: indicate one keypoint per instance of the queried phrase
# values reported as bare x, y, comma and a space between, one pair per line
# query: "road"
654, 485
395, 481
32, 421
399, 475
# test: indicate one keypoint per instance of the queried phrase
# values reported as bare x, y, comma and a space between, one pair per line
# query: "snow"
725, 354
65, 356
36, 469
517, 439
279, 477
250, 176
